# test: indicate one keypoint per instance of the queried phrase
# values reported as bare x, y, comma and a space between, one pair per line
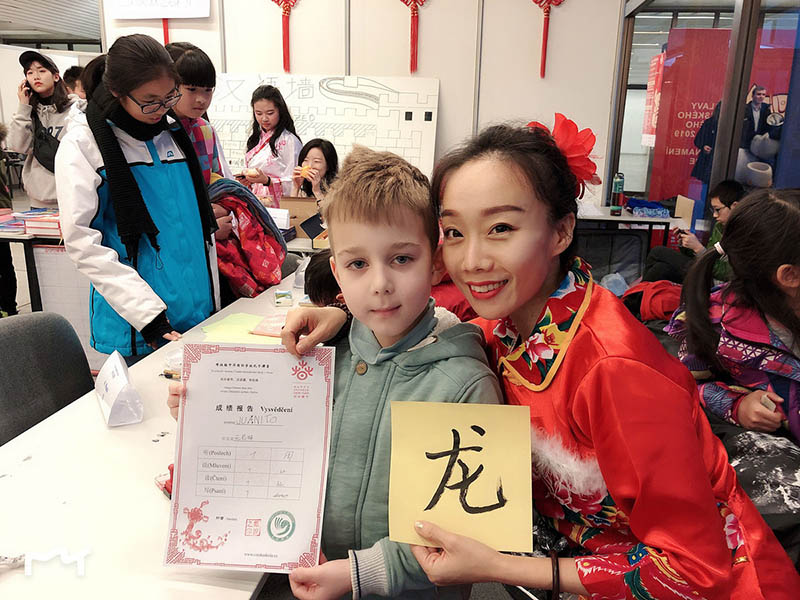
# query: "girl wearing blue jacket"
135, 213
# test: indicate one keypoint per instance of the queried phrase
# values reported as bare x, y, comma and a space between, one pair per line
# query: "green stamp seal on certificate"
281, 525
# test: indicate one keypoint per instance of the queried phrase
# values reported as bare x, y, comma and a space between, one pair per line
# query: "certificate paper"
251, 458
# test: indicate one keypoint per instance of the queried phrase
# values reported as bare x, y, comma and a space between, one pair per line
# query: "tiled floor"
23, 297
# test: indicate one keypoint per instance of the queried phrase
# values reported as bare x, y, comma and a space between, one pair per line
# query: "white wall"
584, 36
317, 31
581, 62
204, 33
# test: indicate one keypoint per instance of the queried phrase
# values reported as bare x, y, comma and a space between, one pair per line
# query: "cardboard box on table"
299, 209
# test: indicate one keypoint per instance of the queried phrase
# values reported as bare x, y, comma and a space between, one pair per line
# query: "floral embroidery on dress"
536, 356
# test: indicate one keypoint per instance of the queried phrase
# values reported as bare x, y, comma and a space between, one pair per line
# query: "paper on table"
270, 325
236, 328
587, 208
496, 438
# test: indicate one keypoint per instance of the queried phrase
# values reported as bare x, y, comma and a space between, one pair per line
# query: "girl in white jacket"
42, 93
134, 206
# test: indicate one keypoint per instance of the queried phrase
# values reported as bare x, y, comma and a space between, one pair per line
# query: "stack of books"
10, 224
41, 222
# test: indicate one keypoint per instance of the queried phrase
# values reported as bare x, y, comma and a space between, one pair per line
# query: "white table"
301, 246
606, 218
71, 482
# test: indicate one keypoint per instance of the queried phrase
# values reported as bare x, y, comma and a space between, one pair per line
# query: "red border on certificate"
192, 354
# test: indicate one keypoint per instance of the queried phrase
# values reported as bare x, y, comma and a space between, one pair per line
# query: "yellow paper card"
235, 329
465, 467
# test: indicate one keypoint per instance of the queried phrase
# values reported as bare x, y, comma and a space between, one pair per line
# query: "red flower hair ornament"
576, 146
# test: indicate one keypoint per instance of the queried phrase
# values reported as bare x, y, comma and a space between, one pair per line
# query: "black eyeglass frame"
167, 103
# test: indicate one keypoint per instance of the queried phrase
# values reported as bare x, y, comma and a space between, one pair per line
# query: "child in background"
43, 96
320, 284
740, 341
92, 76
198, 78
667, 264
317, 166
72, 79
384, 234
134, 207
273, 146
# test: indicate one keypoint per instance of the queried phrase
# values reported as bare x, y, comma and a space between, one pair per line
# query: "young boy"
384, 232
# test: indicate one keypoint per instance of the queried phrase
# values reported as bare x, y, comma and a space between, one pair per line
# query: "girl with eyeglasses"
135, 213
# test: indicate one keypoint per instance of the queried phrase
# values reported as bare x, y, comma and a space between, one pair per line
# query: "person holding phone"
667, 264
38, 124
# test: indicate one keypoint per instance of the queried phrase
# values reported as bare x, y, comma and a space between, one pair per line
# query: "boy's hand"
317, 324
324, 582
176, 391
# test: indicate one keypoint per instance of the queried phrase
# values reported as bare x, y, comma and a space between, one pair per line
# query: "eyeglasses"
149, 108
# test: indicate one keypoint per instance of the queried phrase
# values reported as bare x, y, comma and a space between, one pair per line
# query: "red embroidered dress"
624, 461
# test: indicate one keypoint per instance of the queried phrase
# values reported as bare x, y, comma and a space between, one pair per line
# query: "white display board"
158, 9
397, 114
65, 291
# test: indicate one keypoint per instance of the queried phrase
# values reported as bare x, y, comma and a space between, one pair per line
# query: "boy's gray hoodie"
440, 360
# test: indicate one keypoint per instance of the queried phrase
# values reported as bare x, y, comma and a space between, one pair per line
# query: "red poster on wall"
693, 80
652, 101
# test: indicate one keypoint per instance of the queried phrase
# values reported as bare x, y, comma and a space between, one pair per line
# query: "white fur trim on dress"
444, 320
549, 456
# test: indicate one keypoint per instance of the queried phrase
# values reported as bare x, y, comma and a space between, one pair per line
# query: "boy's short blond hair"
375, 187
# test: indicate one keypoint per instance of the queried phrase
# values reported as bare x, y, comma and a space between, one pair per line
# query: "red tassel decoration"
414, 6
165, 27
414, 36
546, 5
545, 32
286, 10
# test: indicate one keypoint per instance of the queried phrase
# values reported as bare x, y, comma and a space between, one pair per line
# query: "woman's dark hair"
762, 233
133, 60
92, 75
285, 121
331, 159
728, 192
59, 97
193, 66
534, 154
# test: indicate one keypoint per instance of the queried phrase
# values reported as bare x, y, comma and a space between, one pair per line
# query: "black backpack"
45, 145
